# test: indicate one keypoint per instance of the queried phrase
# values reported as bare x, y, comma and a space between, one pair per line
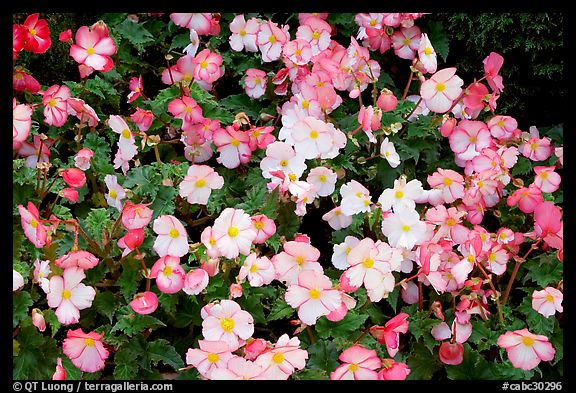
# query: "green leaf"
422, 363
101, 88
21, 302
544, 270
523, 167
392, 299
144, 181
101, 162
135, 33
36, 357
160, 350
180, 41
132, 323
96, 221
241, 103
125, 368
188, 313
438, 38
169, 302
474, 366
351, 324
482, 336
52, 320
280, 310
62, 212
164, 201
323, 355
507, 371
128, 280
105, 303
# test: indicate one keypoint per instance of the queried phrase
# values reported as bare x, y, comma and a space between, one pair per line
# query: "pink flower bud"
82, 159
70, 194
447, 127
302, 238
65, 36
144, 303
38, 320
235, 290
254, 348
60, 373
392, 370
338, 314
143, 119
195, 282
212, 266
452, 354
345, 284
74, 177
134, 238
387, 101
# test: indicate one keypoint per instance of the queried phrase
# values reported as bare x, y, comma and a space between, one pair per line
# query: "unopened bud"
266, 117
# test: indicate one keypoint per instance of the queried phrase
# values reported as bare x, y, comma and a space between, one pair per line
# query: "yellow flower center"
188, 109
368, 263
213, 357
200, 183
167, 271
407, 41
500, 123
278, 358
387, 154
292, 177
473, 139
373, 22
549, 298
322, 178
18, 76
297, 52
234, 142
300, 260
187, 77
227, 324
534, 146
347, 251
399, 195
480, 184
544, 175
258, 225
427, 51
112, 194
314, 294
492, 257
173, 233
212, 241
447, 181
272, 39
52, 102
367, 202
305, 104
353, 367
90, 51
315, 35
313, 134
126, 133
406, 228
283, 163
233, 232
66, 294
470, 258
450, 222
242, 33
528, 341
204, 64
440, 87
34, 223
253, 269
89, 342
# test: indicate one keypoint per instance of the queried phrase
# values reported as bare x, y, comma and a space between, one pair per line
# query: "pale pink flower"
388, 151
261, 137
355, 198
60, 373
406, 42
536, 148
450, 222
336, 219
201, 22
41, 272
450, 182
547, 301
559, 152
255, 83
324, 179
85, 350
317, 32
17, 280
235, 290
403, 195
527, 198
271, 39
525, 350
358, 363
497, 259
257, 270
427, 54
93, 49
136, 216
192, 47
298, 51
142, 118
404, 228
168, 273
265, 227
208, 240
502, 127
546, 179
172, 236
82, 159
233, 232
196, 281
188, 110
369, 119
211, 355
391, 370
233, 146
441, 90
198, 183
183, 70
341, 252
243, 34
115, 192
33, 229
82, 259
68, 295
295, 258
228, 322
492, 64
55, 105
144, 303
237, 368
469, 138
21, 123
280, 362
208, 68
311, 137
389, 334
313, 295
126, 144
281, 156
135, 88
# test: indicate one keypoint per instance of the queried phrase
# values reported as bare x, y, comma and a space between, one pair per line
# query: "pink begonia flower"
208, 240
377, 39
336, 219
235, 290
115, 192
168, 273
144, 303
388, 151
492, 64
136, 216
74, 177
36, 34
270, 40
22, 121
33, 229
281, 156
257, 270
208, 67
295, 258
546, 179
369, 119
324, 179
68, 295
387, 101
469, 138
389, 334
404, 228
131, 240
303, 16
136, 88
22, 81
547, 301
261, 137
228, 322
502, 127
210, 356
536, 148
450, 182
441, 90
527, 198
17, 280
451, 353
41, 272
427, 55
406, 42
93, 49
548, 224
55, 105
525, 350
198, 184
18, 39
65, 36
85, 350
312, 137
403, 195
255, 83
82, 159
355, 198
281, 361
196, 281
317, 32
172, 236
233, 145
126, 143
313, 295
347, 303
497, 260
450, 222
393, 371
366, 21
341, 252
447, 127
559, 152
243, 34
237, 368
142, 118
233, 233
298, 51
254, 347
265, 227
358, 363
188, 110
201, 22
82, 259
183, 70
60, 373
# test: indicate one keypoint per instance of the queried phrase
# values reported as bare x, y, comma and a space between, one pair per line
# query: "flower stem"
496, 293
515, 271
408, 85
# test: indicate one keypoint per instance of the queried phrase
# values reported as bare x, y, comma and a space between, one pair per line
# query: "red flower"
37, 34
